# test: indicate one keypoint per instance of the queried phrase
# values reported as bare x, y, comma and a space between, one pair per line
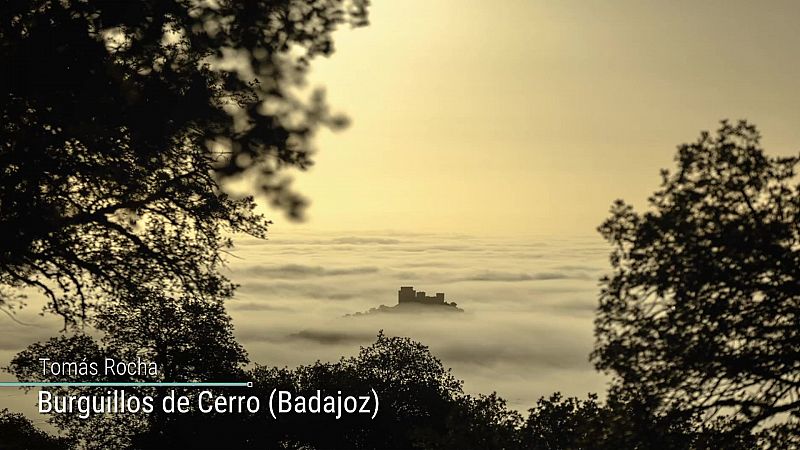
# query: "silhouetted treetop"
189, 339
19, 433
423, 406
120, 122
704, 298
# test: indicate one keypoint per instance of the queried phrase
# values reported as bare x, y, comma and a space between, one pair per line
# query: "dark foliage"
422, 407
120, 122
702, 306
189, 339
18, 433
415, 391
622, 422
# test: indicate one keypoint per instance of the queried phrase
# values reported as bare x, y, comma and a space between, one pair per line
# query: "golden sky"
529, 117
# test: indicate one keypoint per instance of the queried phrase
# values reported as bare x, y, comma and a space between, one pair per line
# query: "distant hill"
414, 302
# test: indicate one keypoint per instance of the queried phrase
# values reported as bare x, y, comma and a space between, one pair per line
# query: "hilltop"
411, 301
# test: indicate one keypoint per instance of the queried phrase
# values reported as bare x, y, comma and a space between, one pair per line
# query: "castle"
406, 294
411, 301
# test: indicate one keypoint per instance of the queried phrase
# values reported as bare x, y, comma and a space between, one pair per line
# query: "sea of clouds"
526, 331
529, 304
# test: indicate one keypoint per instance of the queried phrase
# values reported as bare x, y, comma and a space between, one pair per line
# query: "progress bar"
102, 384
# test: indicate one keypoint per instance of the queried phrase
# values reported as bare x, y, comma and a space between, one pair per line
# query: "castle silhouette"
407, 294
411, 301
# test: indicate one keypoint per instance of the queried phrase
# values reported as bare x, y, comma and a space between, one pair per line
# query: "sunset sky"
523, 117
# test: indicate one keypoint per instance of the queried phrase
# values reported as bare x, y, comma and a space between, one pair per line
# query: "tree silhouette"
416, 394
623, 421
120, 123
475, 423
423, 406
18, 433
190, 339
96, 431
702, 305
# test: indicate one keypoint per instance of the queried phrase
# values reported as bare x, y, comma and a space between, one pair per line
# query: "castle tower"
406, 294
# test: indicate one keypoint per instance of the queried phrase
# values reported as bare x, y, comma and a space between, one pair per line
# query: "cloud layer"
526, 330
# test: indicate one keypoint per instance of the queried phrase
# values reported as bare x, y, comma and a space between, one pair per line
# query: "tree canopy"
189, 339
703, 302
120, 123
423, 406
18, 433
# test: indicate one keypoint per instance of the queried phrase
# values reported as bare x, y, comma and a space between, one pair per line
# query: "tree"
702, 305
478, 423
417, 394
18, 433
121, 122
622, 421
422, 406
189, 339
